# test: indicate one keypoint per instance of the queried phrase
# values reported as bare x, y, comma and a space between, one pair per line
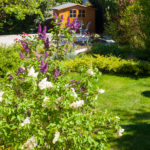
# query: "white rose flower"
1, 94
26, 121
45, 84
120, 132
32, 72
57, 134
30, 144
77, 104
90, 72
101, 91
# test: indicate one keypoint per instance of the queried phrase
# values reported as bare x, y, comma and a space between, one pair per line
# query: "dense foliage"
110, 64
119, 51
43, 108
9, 60
22, 16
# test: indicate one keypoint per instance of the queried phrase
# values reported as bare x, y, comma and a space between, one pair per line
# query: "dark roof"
67, 5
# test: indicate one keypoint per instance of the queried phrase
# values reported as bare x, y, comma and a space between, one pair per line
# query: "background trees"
17, 16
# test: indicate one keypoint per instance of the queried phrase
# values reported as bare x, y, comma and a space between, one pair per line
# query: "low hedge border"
109, 64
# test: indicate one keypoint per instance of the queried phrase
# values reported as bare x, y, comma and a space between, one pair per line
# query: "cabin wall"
89, 15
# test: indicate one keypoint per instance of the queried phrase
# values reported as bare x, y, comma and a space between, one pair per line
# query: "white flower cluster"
32, 73
117, 117
45, 84
1, 94
26, 121
74, 93
90, 72
57, 134
30, 144
120, 132
45, 101
77, 104
101, 91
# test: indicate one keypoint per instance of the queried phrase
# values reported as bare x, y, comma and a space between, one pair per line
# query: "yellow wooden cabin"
84, 13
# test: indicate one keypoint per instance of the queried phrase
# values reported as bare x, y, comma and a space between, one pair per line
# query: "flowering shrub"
65, 44
45, 110
42, 108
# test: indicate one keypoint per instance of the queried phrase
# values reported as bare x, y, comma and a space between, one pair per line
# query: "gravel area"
7, 40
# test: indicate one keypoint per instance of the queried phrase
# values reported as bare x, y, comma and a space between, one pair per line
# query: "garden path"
8, 40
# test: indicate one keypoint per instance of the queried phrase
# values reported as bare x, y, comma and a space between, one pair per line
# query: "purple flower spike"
39, 29
44, 30
46, 43
46, 54
21, 55
78, 81
10, 77
44, 67
37, 58
25, 46
73, 80
56, 73
66, 50
20, 70
55, 17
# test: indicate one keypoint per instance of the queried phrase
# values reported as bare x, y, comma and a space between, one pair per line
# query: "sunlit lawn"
128, 98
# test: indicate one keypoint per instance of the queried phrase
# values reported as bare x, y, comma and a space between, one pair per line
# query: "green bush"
103, 49
10, 59
45, 111
121, 51
110, 64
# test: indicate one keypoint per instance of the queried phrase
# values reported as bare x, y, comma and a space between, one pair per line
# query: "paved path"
80, 51
8, 40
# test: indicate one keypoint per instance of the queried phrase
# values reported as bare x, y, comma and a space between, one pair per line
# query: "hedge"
109, 64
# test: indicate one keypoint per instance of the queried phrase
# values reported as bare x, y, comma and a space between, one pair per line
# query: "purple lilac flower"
73, 80
39, 29
74, 25
62, 17
44, 67
74, 44
20, 70
37, 58
21, 55
66, 50
74, 88
46, 43
83, 112
25, 46
46, 54
42, 34
10, 76
58, 20
78, 81
56, 73
55, 17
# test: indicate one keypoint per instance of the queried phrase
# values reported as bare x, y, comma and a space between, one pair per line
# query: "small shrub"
9, 60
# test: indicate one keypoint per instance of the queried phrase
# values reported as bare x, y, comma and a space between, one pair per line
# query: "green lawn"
129, 99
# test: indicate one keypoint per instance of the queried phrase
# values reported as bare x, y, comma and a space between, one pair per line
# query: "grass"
129, 99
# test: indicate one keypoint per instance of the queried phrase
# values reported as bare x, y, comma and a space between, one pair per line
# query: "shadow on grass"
146, 93
137, 132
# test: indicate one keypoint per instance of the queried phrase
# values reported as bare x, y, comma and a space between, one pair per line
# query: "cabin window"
81, 13
72, 13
